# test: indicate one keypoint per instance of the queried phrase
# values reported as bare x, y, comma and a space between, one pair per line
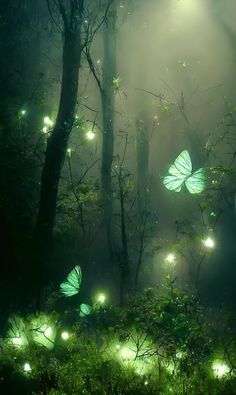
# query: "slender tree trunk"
107, 98
57, 142
125, 282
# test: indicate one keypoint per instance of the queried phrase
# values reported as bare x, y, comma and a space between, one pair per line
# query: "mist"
117, 196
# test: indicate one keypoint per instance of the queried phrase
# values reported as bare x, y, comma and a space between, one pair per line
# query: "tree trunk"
107, 98
125, 281
57, 142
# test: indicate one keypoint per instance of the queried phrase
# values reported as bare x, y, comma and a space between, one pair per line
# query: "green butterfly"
85, 309
181, 174
72, 284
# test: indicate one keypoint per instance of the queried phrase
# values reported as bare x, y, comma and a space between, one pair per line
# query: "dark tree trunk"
57, 143
125, 281
107, 98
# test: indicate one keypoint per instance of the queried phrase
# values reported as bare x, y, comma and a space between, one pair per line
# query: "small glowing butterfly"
181, 174
72, 284
85, 309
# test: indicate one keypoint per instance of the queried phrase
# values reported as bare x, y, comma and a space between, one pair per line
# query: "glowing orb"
127, 354
45, 129
23, 112
48, 332
17, 341
170, 258
69, 150
220, 369
101, 298
90, 135
65, 335
209, 242
47, 121
27, 367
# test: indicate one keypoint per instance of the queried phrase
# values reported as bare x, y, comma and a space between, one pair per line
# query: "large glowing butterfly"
181, 174
72, 284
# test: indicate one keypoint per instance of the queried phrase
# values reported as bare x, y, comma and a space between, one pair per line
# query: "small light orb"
170, 258
146, 382
117, 347
48, 331
213, 214
69, 151
45, 129
209, 242
47, 121
65, 335
23, 112
17, 341
101, 298
90, 135
27, 367
220, 369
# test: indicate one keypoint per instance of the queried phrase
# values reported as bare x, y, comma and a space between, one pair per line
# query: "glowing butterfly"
181, 174
72, 284
85, 309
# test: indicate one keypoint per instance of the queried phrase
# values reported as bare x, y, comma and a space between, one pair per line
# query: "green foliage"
159, 343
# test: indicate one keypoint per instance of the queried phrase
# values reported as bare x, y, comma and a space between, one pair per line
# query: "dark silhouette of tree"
106, 89
72, 14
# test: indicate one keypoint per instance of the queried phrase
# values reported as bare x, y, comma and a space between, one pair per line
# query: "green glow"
209, 242
65, 335
90, 135
181, 174
47, 121
170, 367
43, 331
45, 130
134, 353
69, 151
23, 112
127, 354
27, 367
17, 332
220, 369
72, 284
17, 341
101, 298
170, 258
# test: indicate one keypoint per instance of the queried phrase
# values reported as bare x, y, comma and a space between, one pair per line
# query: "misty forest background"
97, 100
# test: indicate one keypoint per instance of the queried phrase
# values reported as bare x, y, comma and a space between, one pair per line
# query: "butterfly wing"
182, 165
179, 172
72, 284
196, 182
174, 183
85, 309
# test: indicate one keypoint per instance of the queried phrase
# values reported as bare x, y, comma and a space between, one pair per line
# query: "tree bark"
107, 98
57, 142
